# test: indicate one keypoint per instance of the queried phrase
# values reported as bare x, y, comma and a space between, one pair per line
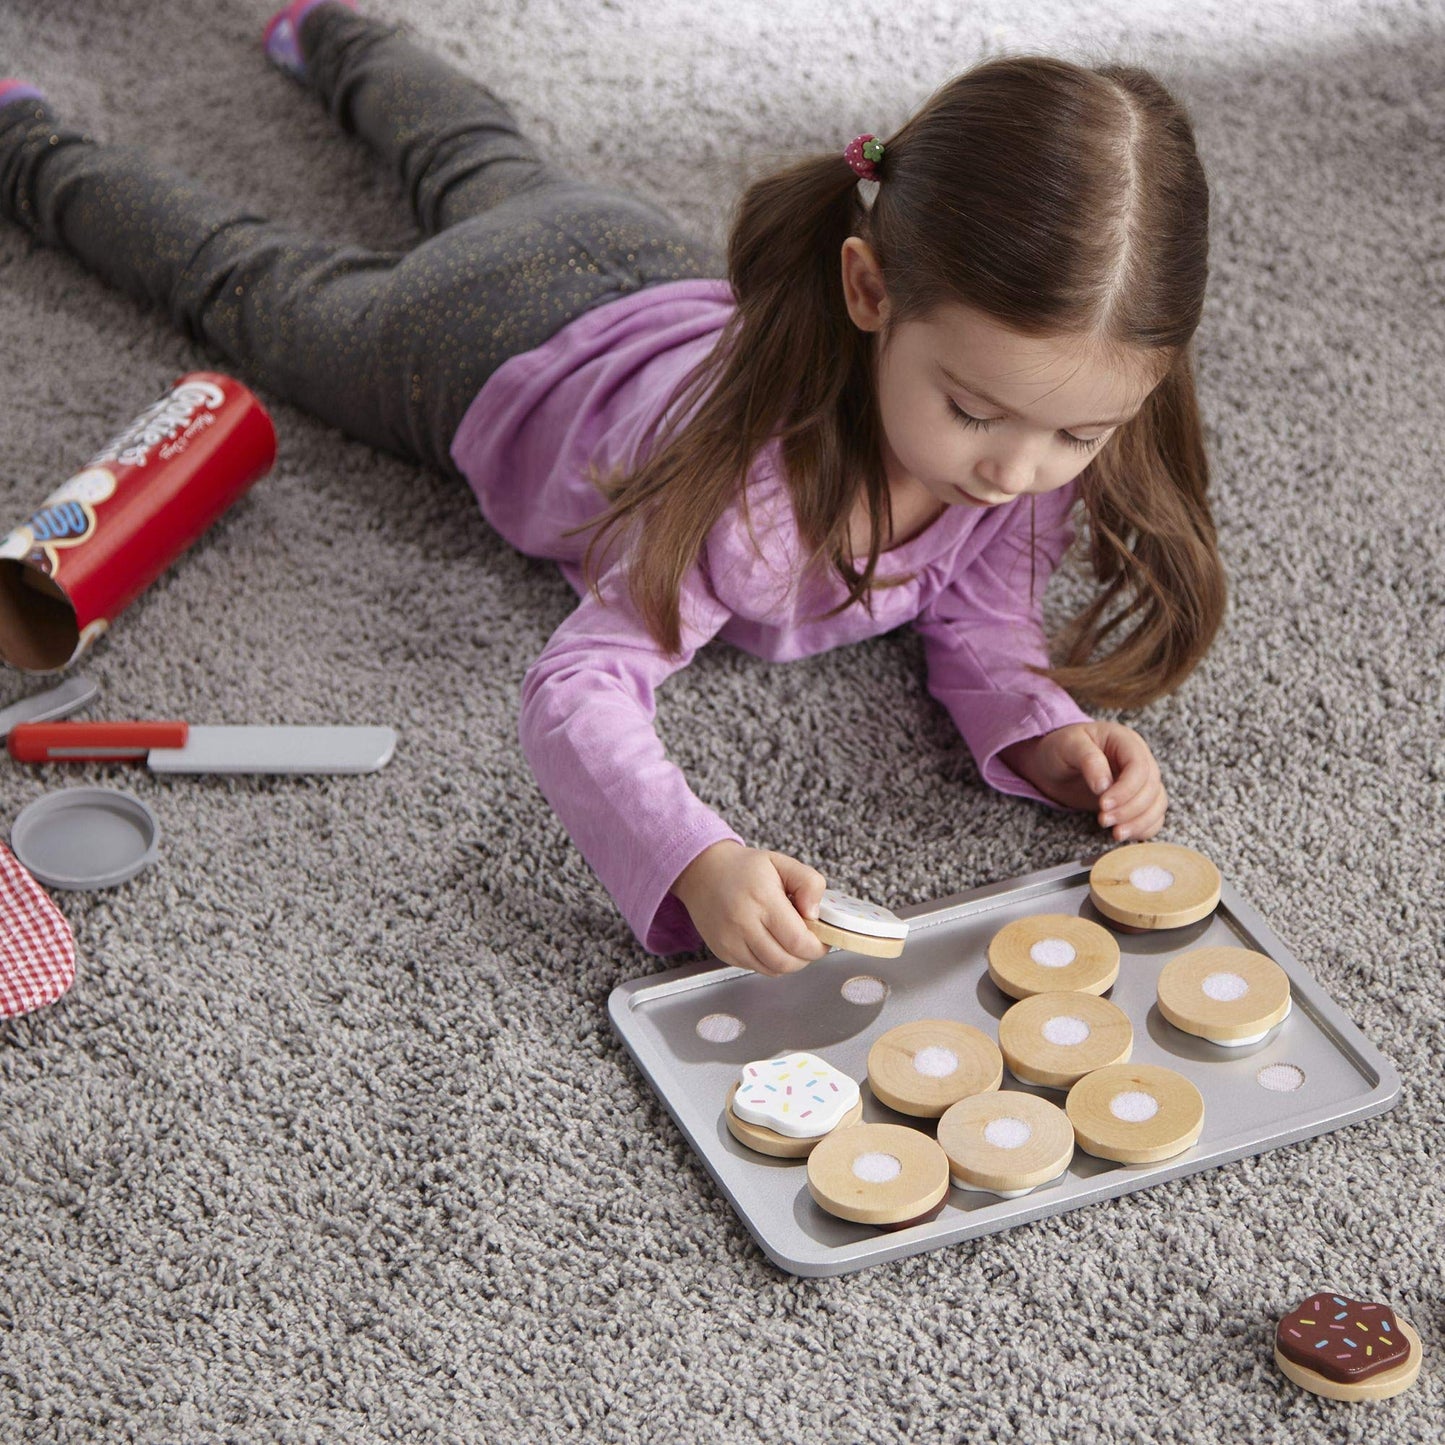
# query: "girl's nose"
1010, 471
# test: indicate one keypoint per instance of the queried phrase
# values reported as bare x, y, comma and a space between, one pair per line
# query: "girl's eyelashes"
983, 425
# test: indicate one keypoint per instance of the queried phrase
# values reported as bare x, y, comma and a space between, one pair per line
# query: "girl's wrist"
1017, 755
694, 875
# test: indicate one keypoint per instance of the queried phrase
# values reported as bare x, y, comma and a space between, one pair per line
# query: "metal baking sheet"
943, 973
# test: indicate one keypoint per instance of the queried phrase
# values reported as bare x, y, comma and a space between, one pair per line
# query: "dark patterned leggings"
390, 346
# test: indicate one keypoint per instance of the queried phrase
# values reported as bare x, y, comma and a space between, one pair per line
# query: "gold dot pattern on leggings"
389, 346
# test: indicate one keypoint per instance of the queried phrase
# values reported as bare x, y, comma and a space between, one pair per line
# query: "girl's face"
976, 415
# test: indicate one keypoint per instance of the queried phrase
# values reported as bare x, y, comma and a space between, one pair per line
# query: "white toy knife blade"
277, 750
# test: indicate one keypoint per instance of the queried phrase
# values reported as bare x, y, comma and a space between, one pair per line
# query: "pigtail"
1152, 543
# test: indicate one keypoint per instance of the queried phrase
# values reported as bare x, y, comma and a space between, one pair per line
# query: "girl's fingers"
1147, 824
1137, 805
750, 958
795, 945
768, 950
1077, 752
1138, 773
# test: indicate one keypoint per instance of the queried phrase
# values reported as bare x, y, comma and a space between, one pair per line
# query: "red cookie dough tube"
102, 537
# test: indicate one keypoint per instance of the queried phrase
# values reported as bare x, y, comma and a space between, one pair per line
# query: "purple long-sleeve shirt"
595, 391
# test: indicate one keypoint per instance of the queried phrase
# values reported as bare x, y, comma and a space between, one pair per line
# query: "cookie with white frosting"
782, 1106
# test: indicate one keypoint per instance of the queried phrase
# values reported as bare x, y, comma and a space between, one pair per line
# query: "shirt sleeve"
586, 729
983, 629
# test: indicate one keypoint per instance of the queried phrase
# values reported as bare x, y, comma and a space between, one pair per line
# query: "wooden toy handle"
64, 742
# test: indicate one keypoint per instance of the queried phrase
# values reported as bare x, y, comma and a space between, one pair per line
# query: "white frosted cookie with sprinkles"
782, 1106
858, 926
1154, 885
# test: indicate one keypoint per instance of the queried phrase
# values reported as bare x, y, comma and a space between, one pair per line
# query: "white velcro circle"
936, 1061
1151, 879
1053, 953
1224, 987
877, 1168
1066, 1029
1134, 1106
1007, 1133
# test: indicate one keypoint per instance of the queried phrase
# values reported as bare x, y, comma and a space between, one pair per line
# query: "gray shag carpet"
263, 1174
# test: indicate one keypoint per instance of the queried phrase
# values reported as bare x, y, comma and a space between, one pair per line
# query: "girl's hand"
1101, 765
748, 904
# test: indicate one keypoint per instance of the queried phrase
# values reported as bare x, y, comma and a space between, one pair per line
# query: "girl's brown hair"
1062, 202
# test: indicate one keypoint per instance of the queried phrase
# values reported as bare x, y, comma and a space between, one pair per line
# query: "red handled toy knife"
176, 747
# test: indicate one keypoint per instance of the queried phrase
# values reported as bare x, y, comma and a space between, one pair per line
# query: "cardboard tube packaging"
102, 537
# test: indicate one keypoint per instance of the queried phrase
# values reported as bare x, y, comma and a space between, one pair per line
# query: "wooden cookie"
885, 1174
784, 1105
1347, 1349
1230, 996
1135, 1113
1006, 1142
860, 927
921, 1068
1154, 885
1049, 952
1055, 1039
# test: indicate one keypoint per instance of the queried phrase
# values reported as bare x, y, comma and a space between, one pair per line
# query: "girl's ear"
863, 289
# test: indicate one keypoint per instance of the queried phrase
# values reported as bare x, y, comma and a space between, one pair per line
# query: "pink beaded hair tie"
862, 155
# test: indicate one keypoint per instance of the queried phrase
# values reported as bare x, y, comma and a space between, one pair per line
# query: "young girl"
884, 415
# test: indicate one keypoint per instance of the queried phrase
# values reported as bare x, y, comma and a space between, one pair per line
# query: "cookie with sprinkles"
855, 924
1347, 1349
783, 1106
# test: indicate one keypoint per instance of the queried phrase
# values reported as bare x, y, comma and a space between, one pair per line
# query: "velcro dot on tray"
863, 988
719, 1028
1282, 1078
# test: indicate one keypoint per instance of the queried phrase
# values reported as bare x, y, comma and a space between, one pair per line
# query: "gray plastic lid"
85, 837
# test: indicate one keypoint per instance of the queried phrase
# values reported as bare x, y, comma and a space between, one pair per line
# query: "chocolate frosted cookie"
1347, 1349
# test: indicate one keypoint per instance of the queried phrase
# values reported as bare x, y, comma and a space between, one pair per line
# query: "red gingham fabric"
37, 948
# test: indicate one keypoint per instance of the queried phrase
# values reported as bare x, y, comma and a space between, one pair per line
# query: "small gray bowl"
83, 838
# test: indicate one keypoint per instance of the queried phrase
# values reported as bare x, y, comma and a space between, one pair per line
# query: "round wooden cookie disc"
1377, 1387
781, 1146
1055, 1039
854, 942
1135, 1113
922, 1067
1006, 1142
1154, 885
1049, 952
1230, 996
877, 1173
